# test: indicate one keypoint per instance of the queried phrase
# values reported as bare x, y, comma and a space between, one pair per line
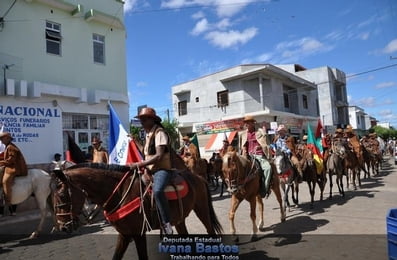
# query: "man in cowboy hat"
253, 142
14, 163
99, 154
287, 145
157, 160
354, 144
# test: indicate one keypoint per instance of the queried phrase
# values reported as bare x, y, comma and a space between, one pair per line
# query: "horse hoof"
34, 235
254, 238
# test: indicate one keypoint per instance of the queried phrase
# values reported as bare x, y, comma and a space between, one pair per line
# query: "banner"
315, 146
122, 150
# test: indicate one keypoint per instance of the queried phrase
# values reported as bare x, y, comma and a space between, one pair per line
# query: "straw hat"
249, 119
148, 112
5, 134
96, 140
339, 130
281, 128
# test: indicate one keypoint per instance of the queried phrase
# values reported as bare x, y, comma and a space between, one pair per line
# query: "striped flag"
314, 144
121, 149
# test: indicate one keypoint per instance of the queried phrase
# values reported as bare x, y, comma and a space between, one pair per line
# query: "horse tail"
214, 219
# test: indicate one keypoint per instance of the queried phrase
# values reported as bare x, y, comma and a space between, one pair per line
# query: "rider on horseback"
157, 159
254, 143
14, 163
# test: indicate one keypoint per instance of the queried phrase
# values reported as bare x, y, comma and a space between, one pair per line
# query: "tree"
171, 127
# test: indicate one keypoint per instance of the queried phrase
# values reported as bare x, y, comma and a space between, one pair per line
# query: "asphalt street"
353, 227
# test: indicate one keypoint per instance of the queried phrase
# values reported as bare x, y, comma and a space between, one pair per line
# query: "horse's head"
231, 171
339, 149
281, 161
68, 202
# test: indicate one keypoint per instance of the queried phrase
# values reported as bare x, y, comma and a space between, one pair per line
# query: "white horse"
37, 182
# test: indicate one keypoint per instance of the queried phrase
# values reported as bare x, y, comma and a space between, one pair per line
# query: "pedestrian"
99, 153
157, 161
253, 143
14, 165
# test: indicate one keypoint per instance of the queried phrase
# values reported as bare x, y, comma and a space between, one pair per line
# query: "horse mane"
102, 166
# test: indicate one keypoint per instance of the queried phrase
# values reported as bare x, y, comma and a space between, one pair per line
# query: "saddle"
177, 188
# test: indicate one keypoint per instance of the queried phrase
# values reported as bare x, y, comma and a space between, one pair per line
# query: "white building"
359, 120
332, 94
62, 62
217, 103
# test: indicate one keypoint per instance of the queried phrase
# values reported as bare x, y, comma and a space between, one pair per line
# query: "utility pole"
168, 114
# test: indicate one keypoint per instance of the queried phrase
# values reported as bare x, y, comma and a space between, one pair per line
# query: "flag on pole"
121, 149
319, 128
74, 153
194, 140
315, 146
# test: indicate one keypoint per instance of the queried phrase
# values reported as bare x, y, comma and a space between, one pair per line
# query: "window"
286, 100
197, 99
99, 48
53, 38
304, 100
223, 98
182, 108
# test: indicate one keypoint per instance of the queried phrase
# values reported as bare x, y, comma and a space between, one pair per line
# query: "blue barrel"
391, 220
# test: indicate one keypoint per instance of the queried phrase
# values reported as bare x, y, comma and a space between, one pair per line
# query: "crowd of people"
253, 142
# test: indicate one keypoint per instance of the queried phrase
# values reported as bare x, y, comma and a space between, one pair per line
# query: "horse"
309, 171
126, 201
288, 175
335, 166
352, 167
194, 163
37, 182
243, 179
215, 172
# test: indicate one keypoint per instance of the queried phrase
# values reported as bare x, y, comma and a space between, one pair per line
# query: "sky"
174, 41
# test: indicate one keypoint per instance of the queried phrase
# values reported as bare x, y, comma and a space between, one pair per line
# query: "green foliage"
134, 131
384, 133
171, 127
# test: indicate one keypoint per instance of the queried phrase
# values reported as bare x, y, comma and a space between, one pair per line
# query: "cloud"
296, 49
386, 113
224, 8
390, 47
365, 102
201, 26
129, 5
231, 38
198, 15
386, 84
363, 36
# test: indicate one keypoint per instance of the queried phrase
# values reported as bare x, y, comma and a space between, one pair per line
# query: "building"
214, 105
359, 120
62, 61
332, 95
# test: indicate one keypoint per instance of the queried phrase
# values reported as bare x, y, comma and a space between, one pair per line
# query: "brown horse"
335, 166
116, 188
194, 163
309, 171
243, 178
215, 172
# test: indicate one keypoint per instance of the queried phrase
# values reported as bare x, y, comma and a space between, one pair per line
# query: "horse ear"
60, 175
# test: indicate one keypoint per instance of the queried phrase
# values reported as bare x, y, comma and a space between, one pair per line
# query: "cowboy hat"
339, 130
4, 134
186, 138
304, 138
96, 140
148, 112
281, 128
249, 119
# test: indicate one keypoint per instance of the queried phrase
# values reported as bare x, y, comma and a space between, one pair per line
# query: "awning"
216, 141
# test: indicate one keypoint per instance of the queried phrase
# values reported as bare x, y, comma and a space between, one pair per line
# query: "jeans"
160, 180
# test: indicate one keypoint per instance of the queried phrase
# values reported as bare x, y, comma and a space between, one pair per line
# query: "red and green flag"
314, 144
